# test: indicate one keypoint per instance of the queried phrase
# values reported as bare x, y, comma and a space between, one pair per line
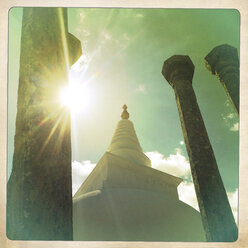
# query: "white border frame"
240, 5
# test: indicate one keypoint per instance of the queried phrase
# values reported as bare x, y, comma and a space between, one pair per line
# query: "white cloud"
231, 121
233, 200
178, 165
175, 164
235, 127
227, 117
227, 103
105, 37
81, 32
230, 118
80, 172
81, 17
141, 88
186, 193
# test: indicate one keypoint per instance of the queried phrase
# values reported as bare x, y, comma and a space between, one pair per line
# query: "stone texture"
215, 210
39, 191
223, 62
124, 199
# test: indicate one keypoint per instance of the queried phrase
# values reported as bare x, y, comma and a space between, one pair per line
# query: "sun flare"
75, 96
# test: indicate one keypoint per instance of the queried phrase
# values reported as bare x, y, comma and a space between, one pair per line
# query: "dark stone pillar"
39, 191
223, 61
215, 210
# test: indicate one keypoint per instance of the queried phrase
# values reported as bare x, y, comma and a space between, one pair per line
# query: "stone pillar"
39, 191
215, 210
223, 61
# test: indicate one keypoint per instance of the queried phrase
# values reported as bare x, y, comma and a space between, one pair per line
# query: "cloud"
80, 172
175, 164
81, 32
227, 103
230, 118
82, 17
233, 200
105, 37
141, 89
186, 193
231, 122
235, 127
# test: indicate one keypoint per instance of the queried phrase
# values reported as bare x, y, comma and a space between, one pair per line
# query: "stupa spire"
125, 143
125, 114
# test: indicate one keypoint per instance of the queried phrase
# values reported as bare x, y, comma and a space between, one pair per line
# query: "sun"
75, 96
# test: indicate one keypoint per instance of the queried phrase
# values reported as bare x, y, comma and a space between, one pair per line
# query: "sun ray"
64, 38
51, 133
63, 130
112, 58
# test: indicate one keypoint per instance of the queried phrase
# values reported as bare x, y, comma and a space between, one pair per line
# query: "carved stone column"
223, 62
215, 210
39, 191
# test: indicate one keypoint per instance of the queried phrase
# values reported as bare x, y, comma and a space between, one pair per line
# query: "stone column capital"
178, 67
223, 58
223, 61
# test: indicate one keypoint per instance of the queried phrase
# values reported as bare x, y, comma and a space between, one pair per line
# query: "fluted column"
39, 191
215, 210
223, 62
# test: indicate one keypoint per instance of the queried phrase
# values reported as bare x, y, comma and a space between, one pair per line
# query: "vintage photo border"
240, 5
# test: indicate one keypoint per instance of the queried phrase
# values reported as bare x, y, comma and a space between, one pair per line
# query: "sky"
123, 55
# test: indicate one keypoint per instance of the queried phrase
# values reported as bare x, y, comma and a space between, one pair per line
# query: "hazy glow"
75, 96
63, 38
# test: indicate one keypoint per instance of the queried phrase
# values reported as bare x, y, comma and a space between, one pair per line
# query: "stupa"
124, 199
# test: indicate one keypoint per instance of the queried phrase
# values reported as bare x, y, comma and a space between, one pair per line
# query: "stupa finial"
125, 114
